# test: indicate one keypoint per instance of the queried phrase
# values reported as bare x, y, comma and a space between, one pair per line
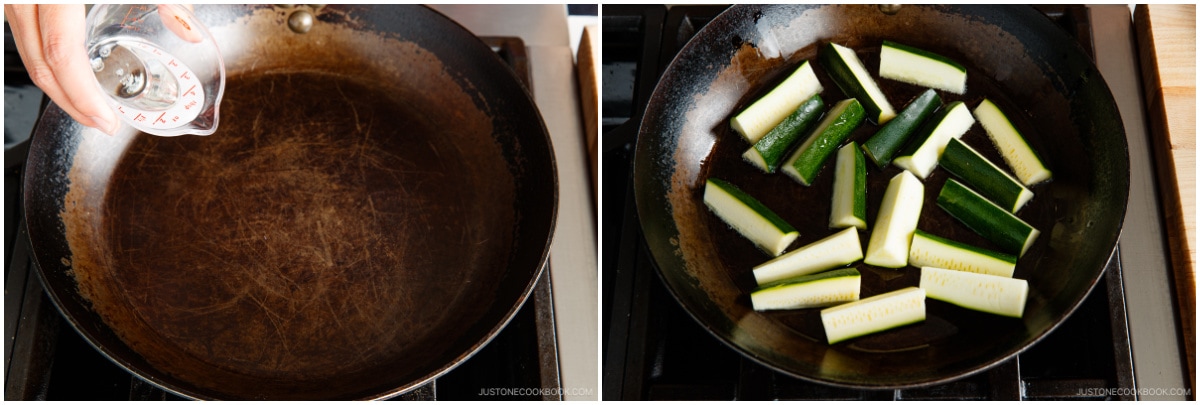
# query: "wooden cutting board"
1167, 50
587, 63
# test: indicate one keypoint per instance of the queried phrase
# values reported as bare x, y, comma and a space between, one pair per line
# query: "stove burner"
651, 342
47, 360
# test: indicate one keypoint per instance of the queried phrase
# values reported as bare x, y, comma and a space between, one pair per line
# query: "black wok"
376, 204
1014, 55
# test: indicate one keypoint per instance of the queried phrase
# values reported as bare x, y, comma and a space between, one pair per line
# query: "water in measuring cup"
133, 73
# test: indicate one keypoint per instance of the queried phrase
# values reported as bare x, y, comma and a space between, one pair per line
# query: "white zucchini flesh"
849, 189
808, 159
768, 111
749, 217
1012, 146
964, 162
911, 66
932, 251
839, 249
859, 70
898, 216
981, 292
878, 313
770, 150
925, 159
1005, 229
813, 291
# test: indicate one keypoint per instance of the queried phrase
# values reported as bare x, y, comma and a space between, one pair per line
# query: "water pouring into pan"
375, 205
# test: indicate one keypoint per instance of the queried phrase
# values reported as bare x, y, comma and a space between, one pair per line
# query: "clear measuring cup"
159, 67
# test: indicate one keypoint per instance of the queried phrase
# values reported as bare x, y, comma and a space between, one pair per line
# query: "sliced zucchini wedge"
768, 111
981, 174
811, 291
1013, 235
981, 292
882, 146
849, 189
921, 155
934, 251
1012, 146
922, 68
768, 153
898, 216
833, 251
875, 314
810, 157
749, 217
852, 77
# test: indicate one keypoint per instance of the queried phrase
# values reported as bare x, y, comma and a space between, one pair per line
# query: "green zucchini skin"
849, 189
810, 157
920, 67
832, 251
782, 235
1010, 233
847, 272
1016, 151
810, 291
926, 129
769, 152
767, 112
878, 110
926, 145
882, 146
921, 52
984, 176
930, 250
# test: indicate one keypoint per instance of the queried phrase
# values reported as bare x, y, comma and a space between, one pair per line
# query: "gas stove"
654, 350
46, 359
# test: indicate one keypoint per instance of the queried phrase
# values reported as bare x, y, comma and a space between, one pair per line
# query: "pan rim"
54, 117
651, 204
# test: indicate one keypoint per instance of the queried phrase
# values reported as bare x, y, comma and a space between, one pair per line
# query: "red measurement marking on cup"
186, 107
125, 20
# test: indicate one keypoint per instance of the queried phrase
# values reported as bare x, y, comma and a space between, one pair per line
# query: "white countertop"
545, 31
1153, 331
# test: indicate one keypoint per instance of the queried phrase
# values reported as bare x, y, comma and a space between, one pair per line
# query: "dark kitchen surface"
654, 350
46, 359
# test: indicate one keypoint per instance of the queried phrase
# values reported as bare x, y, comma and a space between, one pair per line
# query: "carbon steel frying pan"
1014, 56
376, 205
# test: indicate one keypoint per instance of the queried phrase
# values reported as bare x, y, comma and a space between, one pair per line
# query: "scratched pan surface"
376, 204
1014, 56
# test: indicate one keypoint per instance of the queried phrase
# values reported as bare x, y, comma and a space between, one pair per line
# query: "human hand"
50, 39
173, 19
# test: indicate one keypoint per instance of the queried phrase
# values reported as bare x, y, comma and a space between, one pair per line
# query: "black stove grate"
654, 350
45, 359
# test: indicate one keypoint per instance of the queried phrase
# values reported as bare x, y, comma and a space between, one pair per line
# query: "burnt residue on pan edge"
706, 147
338, 227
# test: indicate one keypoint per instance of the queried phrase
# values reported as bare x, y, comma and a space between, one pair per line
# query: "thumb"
179, 20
